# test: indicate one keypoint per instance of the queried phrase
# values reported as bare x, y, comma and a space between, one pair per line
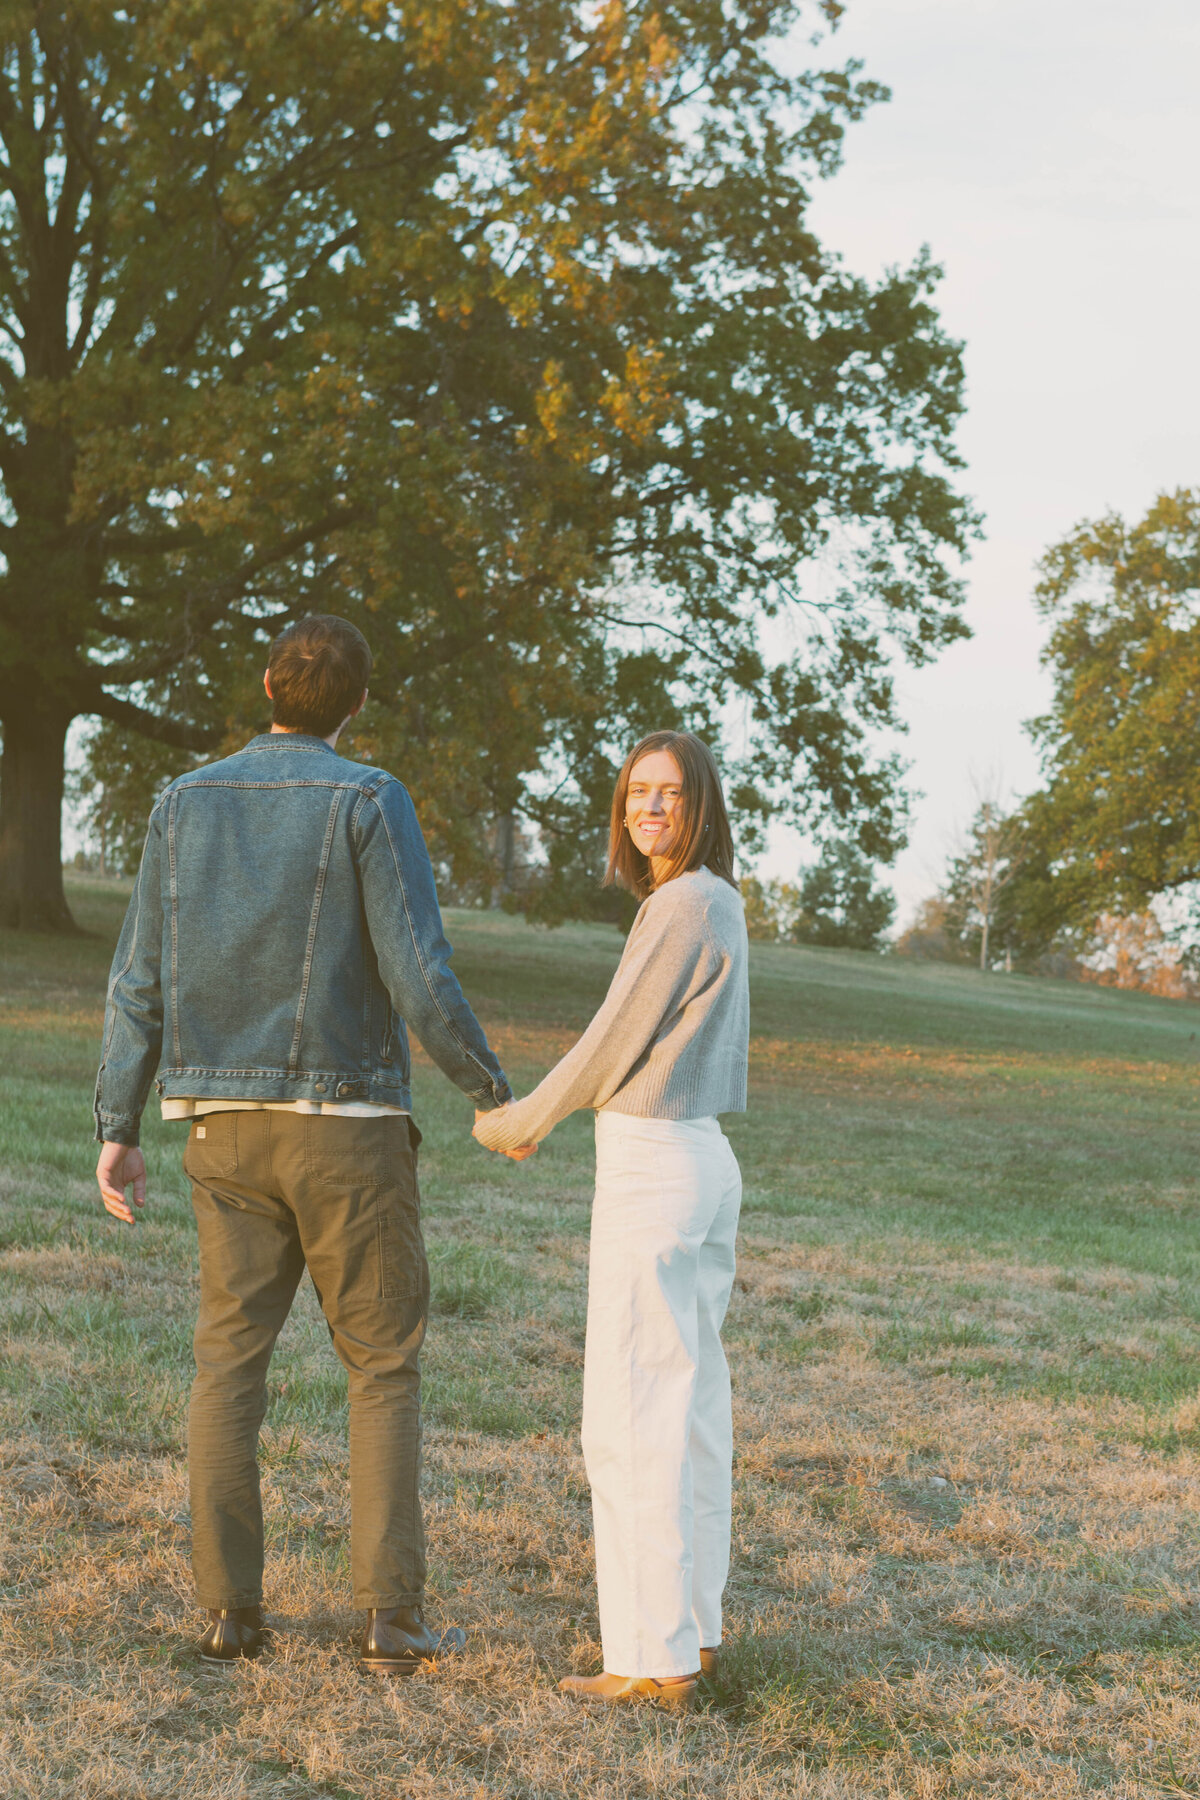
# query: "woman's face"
654, 803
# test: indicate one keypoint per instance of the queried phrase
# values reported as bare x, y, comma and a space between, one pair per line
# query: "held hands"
518, 1155
120, 1166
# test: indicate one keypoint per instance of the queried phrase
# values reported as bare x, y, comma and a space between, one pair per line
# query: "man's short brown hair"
318, 668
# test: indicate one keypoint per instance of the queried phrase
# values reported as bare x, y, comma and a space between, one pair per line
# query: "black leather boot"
397, 1641
233, 1632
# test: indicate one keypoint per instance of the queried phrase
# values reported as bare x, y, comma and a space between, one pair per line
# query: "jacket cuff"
112, 1129
499, 1094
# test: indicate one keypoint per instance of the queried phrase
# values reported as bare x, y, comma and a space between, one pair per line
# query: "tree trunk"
31, 793
503, 855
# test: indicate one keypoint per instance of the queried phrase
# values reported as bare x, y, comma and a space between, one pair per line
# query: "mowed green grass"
965, 1342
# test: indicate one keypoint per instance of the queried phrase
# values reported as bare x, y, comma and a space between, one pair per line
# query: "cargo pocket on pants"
403, 1269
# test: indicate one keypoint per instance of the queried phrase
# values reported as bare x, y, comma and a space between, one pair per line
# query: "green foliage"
567, 885
770, 907
1029, 929
1119, 817
499, 330
978, 879
836, 904
839, 903
1063, 883
934, 935
120, 778
999, 906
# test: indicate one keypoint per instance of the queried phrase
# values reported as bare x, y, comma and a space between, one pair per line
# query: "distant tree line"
836, 903
1097, 873
1095, 876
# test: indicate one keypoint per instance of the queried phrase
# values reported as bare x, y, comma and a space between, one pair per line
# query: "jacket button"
346, 1088
319, 1087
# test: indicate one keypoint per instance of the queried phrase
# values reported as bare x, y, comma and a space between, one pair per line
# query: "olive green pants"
275, 1192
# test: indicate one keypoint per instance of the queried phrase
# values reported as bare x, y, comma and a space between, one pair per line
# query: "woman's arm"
668, 954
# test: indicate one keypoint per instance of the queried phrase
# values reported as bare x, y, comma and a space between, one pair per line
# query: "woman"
666, 1052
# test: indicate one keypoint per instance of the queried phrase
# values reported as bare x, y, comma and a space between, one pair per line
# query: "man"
283, 927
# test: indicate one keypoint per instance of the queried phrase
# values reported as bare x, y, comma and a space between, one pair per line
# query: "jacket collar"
289, 740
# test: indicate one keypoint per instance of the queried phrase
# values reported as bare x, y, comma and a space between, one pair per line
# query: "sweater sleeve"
666, 948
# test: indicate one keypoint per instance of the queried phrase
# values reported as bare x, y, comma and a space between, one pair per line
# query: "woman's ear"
267, 683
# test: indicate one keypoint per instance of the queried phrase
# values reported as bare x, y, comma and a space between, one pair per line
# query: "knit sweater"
671, 1039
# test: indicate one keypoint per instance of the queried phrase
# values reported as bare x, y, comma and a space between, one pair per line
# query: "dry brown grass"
967, 1478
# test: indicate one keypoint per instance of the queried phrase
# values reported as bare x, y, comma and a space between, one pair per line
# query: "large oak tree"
497, 328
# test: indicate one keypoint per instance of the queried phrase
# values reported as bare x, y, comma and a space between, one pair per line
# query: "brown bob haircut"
705, 840
318, 668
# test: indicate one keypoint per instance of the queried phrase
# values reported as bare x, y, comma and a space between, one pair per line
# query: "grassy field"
966, 1350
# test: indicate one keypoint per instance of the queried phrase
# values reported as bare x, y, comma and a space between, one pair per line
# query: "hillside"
966, 1349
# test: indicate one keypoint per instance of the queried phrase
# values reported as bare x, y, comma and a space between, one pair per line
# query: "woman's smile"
653, 802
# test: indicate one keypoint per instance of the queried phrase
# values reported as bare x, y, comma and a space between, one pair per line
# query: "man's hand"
519, 1154
120, 1166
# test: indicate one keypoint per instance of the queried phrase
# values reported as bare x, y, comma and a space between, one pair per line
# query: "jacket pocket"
212, 1150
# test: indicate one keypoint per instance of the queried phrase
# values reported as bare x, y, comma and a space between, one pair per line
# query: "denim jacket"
283, 927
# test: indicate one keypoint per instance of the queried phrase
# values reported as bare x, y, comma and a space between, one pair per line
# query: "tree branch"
203, 606
170, 541
148, 724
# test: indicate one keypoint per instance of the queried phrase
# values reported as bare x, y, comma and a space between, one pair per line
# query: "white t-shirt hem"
349, 1109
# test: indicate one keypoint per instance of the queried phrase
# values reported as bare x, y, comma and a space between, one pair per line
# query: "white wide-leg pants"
657, 1430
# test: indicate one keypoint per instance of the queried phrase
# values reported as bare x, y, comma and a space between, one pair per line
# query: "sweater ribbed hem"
660, 1094
699, 1093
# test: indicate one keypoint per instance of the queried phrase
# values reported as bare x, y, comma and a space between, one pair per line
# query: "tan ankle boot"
678, 1692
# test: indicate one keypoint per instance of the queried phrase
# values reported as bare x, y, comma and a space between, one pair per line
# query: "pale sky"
1049, 153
